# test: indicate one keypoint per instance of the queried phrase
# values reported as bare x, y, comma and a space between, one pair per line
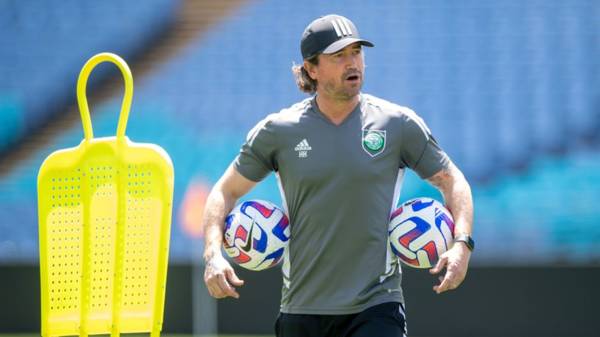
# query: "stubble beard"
342, 92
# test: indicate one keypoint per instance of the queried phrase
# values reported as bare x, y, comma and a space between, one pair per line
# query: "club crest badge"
373, 141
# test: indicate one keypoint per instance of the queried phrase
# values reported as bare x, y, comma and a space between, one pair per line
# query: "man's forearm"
457, 196
216, 209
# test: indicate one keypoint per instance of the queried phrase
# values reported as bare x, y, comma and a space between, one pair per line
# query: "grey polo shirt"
339, 184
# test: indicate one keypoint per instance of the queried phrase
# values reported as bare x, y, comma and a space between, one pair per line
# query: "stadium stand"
44, 44
502, 85
547, 215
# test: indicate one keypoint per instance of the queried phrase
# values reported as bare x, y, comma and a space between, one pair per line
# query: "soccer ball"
420, 231
256, 234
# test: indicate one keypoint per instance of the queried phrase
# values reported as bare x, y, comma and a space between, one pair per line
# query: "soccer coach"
339, 157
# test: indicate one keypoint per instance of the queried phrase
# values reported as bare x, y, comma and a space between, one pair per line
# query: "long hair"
303, 80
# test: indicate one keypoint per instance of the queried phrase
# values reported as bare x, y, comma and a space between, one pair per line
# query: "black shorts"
383, 320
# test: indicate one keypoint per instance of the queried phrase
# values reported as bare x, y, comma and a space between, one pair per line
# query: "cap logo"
342, 28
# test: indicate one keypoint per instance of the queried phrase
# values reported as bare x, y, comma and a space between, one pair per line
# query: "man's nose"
352, 61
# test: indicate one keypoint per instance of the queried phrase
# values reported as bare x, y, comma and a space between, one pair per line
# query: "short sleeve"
257, 155
420, 151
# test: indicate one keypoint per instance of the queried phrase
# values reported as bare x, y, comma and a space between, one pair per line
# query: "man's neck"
336, 110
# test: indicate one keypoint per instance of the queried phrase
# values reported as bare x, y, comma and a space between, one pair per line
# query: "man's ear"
311, 70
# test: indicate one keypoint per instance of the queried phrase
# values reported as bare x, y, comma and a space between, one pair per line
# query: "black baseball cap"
329, 34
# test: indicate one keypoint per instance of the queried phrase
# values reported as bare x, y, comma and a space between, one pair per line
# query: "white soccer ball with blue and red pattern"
256, 234
420, 231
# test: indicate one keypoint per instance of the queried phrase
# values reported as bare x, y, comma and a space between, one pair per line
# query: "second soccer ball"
421, 230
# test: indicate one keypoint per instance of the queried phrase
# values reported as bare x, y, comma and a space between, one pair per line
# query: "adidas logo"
302, 148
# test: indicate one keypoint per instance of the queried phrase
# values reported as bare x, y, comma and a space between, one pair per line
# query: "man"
339, 157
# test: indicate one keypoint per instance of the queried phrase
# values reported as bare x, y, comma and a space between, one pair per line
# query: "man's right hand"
220, 278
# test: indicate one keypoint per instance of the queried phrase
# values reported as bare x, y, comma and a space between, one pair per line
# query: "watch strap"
467, 239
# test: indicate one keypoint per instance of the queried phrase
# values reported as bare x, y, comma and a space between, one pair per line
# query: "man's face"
339, 75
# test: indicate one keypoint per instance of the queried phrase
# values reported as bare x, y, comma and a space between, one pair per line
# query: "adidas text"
302, 148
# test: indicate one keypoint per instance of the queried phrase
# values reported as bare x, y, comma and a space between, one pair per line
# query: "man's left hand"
456, 263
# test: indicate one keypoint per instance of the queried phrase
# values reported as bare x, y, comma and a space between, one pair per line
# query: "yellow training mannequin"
104, 225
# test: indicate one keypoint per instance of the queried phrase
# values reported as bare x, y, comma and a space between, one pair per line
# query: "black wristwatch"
467, 239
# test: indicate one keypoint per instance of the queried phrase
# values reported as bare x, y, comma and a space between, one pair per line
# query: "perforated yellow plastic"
104, 226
